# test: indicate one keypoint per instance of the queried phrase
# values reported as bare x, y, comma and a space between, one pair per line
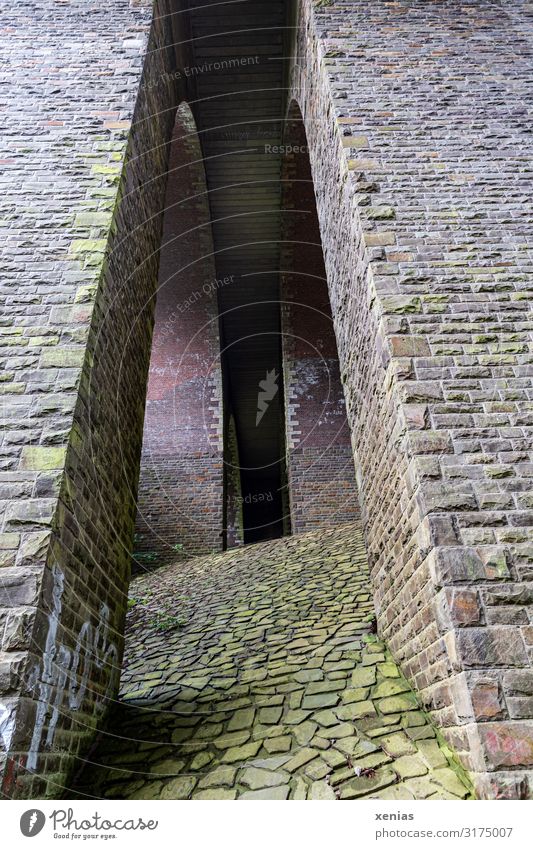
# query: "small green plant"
167, 622
145, 556
178, 546
133, 602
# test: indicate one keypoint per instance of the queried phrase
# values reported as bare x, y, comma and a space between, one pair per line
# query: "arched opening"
181, 483
267, 449
320, 470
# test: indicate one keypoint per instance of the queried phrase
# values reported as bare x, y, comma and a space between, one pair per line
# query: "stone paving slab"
254, 675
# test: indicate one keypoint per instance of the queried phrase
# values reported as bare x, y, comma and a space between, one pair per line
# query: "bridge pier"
417, 154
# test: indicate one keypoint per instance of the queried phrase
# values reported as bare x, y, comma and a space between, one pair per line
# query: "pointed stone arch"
180, 502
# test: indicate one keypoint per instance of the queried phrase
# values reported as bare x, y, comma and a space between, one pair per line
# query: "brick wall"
86, 162
320, 469
415, 117
181, 484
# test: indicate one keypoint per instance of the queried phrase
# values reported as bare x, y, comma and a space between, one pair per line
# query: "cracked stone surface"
254, 675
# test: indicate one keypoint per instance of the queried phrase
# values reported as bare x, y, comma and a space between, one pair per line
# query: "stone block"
507, 744
380, 213
516, 594
11, 668
464, 606
18, 629
401, 304
489, 647
487, 702
437, 498
503, 785
19, 587
29, 515
430, 442
409, 346
41, 458
518, 682
379, 238
415, 416
520, 707
460, 564
63, 357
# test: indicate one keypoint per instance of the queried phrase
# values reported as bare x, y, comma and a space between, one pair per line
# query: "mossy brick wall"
180, 500
420, 150
84, 174
233, 497
320, 467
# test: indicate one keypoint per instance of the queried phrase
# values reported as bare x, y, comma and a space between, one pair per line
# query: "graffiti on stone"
63, 678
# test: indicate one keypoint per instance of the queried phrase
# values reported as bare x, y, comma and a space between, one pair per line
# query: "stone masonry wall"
85, 178
320, 469
180, 501
419, 145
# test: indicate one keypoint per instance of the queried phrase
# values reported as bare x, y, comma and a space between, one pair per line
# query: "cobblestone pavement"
254, 675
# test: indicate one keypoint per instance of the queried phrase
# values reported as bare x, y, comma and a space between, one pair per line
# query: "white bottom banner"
260, 824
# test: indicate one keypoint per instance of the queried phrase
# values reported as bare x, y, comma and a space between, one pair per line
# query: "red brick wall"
181, 486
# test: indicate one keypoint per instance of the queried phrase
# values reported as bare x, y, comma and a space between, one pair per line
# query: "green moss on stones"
42, 458
62, 358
